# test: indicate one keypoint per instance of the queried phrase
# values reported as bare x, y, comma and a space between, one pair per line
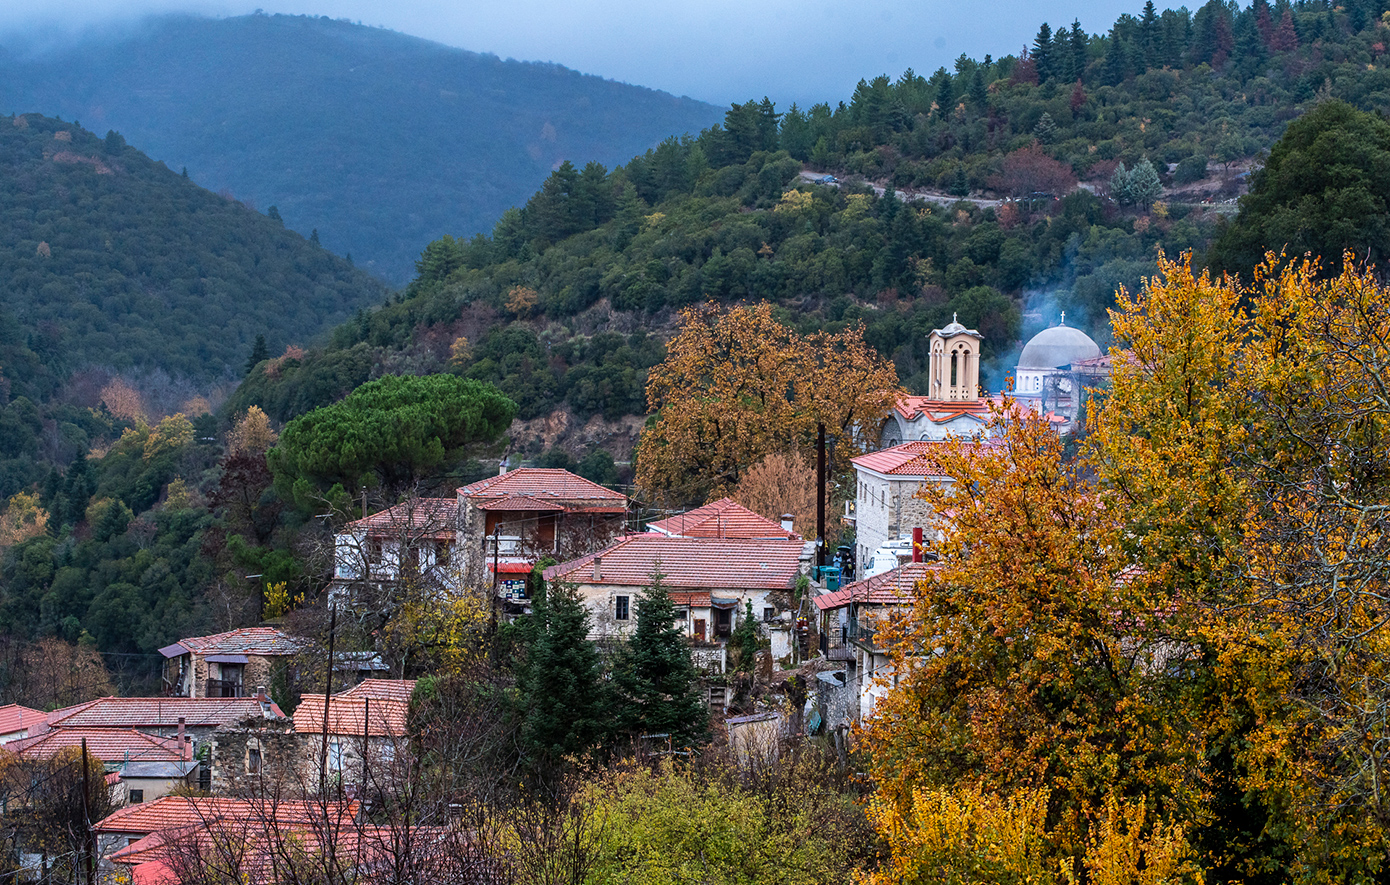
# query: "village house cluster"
176, 763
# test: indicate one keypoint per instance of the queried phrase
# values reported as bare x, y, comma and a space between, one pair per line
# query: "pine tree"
563, 699
658, 681
1045, 129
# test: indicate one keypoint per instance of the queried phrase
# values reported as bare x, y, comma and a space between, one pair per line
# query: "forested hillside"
1074, 160
108, 258
379, 141
568, 303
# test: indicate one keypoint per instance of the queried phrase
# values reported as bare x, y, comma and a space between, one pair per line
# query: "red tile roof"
435, 517
520, 504
916, 458
173, 813
346, 715
114, 712
725, 518
893, 587
941, 411
552, 486
381, 689
247, 641
14, 718
689, 564
107, 744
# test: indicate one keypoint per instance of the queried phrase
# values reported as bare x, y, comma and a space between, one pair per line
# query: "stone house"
886, 506
414, 540
365, 737
507, 522
255, 755
235, 664
163, 717
287, 755
709, 579
851, 618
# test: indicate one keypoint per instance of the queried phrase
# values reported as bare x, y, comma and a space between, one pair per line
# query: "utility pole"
88, 837
820, 498
327, 693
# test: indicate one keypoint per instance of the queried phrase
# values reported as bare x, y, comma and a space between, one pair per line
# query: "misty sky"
716, 50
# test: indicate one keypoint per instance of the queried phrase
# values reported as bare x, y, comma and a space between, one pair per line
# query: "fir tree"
259, 353
1045, 129
658, 682
563, 699
1144, 184
1042, 53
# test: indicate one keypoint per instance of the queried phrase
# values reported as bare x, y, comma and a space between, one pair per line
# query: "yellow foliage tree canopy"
737, 385
1181, 633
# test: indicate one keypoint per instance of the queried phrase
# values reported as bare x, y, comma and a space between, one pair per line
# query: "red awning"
512, 568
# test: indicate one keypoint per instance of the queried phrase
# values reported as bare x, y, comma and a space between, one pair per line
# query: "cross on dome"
1064, 319
954, 317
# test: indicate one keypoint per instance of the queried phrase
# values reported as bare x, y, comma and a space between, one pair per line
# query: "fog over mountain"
715, 50
379, 141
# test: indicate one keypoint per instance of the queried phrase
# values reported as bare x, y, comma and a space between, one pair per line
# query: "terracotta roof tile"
725, 518
382, 690
689, 563
14, 717
559, 486
941, 411
916, 458
346, 715
434, 516
110, 745
246, 641
521, 503
112, 712
893, 587
174, 813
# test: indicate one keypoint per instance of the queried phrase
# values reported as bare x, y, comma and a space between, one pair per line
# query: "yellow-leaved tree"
737, 385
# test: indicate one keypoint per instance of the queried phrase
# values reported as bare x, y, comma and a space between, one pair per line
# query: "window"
620, 608
253, 756
769, 613
137, 796
335, 756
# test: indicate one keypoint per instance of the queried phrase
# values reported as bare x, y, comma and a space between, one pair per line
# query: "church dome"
1056, 347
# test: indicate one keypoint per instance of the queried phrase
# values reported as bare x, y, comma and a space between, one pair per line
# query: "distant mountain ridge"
109, 259
380, 141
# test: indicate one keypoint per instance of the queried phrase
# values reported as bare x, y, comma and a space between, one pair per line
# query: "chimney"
183, 737
917, 544
787, 521
598, 569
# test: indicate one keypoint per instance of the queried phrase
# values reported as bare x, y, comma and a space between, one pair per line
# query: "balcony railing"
225, 688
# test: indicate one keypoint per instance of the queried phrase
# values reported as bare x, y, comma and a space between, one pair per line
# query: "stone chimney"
787, 521
598, 569
183, 736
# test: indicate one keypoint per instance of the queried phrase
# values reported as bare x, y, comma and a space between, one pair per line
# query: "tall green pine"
658, 681
563, 698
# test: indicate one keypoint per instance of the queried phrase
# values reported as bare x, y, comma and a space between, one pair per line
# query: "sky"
719, 51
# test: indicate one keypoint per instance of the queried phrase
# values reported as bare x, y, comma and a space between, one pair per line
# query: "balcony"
225, 688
